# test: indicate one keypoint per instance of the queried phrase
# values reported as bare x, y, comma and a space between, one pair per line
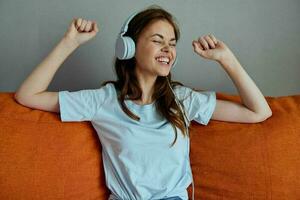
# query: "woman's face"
155, 49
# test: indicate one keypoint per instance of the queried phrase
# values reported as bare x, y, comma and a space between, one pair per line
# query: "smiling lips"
163, 60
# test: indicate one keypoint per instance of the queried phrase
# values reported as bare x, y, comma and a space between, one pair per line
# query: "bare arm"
32, 92
254, 107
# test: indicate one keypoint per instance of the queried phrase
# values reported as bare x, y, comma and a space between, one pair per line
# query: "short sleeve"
199, 105
81, 105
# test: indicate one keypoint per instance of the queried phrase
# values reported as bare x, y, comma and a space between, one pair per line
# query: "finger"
78, 22
197, 45
213, 38
203, 43
209, 41
198, 48
73, 23
201, 46
88, 26
83, 24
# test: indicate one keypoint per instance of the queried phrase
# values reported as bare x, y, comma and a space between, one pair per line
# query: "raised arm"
32, 92
254, 107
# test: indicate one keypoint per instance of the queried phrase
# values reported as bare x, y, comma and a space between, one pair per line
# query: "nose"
166, 48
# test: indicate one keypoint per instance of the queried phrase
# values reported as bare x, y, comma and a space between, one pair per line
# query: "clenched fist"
209, 47
81, 30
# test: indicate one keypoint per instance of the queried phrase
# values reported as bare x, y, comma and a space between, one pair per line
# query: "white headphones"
125, 46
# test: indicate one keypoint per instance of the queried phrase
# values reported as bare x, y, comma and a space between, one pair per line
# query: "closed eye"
173, 45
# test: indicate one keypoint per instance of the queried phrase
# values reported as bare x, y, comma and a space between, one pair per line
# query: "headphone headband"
125, 25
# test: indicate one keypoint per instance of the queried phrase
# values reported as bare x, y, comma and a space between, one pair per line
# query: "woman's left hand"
211, 48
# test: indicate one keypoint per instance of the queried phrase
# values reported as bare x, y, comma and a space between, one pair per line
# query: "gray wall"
263, 34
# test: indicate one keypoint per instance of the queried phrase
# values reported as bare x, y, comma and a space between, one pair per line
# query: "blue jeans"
172, 198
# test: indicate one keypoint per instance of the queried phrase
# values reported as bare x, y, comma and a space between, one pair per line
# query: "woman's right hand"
81, 31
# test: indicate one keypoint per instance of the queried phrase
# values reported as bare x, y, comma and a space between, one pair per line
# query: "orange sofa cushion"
44, 158
249, 161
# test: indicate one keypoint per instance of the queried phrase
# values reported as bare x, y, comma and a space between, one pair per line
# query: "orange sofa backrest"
44, 158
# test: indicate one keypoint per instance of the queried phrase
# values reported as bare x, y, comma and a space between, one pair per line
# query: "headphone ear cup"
121, 48
125, 48
130, 48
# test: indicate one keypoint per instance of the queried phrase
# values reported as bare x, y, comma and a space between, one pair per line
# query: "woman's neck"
146, 84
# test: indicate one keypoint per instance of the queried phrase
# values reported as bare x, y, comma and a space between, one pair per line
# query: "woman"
137, 117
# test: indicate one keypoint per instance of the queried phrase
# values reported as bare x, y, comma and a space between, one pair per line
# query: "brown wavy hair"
127, 83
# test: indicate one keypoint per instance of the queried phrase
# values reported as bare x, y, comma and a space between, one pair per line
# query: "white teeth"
163, 59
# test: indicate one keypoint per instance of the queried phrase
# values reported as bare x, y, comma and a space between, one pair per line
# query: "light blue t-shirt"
138, 161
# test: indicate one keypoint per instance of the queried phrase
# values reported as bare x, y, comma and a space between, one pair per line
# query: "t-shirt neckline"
133, 104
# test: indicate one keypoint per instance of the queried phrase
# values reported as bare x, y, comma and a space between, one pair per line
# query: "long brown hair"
127, 83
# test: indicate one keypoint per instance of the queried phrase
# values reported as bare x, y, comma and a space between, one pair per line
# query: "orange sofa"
44, 158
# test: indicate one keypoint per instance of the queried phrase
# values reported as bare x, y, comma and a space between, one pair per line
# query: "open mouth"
163, 60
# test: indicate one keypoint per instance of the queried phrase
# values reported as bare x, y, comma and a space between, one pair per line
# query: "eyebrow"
162, 37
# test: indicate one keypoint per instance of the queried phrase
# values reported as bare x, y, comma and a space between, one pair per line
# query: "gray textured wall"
263, 34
